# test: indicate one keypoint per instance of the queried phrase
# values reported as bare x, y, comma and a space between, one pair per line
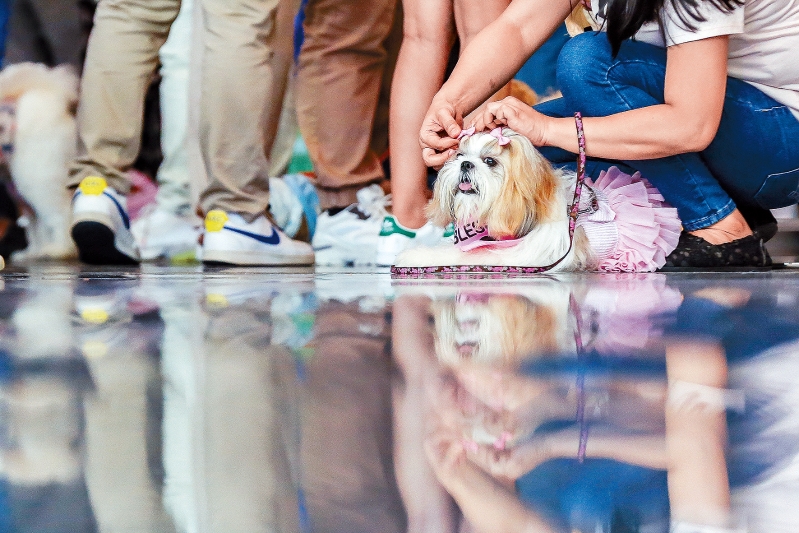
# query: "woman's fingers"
438, 136
447, 120
436, 159
440, 128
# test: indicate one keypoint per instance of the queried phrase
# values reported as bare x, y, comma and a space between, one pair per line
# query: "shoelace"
373, 201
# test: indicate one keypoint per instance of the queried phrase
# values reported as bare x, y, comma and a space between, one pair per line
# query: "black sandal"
695, 253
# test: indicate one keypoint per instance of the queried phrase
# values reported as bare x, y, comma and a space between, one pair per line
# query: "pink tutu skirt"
646, 227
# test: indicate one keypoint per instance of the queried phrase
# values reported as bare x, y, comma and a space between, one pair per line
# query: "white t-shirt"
764, 42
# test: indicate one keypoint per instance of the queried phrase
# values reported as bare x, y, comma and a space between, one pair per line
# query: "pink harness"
470, 236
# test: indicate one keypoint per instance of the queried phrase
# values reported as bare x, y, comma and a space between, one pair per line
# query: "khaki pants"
344, 76
237, 83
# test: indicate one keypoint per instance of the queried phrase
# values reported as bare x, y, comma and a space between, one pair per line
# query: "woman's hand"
439, 134
516, 115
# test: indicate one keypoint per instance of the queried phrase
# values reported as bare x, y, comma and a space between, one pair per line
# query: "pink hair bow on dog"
501, 139
466, 133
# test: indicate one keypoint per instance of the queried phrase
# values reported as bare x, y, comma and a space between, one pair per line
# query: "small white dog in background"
39, 138
510, 208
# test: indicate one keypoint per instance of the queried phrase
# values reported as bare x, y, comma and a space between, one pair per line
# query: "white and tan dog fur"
39, 126
513, 191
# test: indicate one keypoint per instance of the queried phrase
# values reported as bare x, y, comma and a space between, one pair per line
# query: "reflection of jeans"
754, 158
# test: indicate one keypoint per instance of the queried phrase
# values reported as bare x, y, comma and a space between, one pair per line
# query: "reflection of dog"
510, 208
38, 132
502, 329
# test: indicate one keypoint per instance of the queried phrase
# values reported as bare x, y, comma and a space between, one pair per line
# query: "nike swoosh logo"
271, 239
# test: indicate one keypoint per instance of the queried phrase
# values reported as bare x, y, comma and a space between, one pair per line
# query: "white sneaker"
349, 238
395, 238
231, 240
162, 233
101, 226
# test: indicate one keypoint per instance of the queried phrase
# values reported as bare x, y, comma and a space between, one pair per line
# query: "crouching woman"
700, 96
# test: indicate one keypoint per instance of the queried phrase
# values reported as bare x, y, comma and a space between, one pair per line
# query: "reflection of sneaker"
230, 239
162, 233
349, 237
395, 238
101, 226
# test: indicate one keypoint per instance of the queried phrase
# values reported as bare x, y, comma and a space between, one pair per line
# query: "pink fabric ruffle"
648, 228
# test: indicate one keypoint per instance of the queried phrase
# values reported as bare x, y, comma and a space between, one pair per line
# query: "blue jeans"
753, 161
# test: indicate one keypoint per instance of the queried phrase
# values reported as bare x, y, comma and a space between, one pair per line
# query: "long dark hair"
625, 17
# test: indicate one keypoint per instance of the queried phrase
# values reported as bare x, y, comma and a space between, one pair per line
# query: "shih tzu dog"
510, 208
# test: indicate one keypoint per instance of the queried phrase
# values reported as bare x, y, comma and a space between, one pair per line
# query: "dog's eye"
490, 161
458, 155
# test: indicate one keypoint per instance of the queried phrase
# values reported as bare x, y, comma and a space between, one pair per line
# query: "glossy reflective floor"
247, 400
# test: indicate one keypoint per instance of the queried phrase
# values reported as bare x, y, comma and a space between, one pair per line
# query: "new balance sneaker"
231, 240
101, 226
162, 233
395, 238
349, 238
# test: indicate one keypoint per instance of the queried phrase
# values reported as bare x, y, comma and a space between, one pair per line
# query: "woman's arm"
489, 62
696, 78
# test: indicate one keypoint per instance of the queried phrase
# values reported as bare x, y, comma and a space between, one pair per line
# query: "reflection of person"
615, 473
345, 453
719, 148
504, 441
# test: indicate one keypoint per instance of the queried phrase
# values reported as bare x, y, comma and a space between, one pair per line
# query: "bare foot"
728, 229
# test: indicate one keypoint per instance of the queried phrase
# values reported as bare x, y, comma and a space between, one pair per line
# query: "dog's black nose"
466, 166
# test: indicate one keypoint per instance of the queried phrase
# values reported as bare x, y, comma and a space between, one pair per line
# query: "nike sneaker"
231, 240
101, 225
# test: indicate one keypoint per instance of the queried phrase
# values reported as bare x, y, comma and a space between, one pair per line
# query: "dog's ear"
440, 210
529, 194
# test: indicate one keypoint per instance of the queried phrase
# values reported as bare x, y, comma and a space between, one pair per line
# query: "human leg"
121, 58
428, 36
169, 227
427, 39
348, 52
344, 55
238, 37
596, 84
173, 173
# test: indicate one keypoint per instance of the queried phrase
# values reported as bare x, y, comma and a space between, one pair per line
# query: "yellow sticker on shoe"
215, 220
93, 185
94, 316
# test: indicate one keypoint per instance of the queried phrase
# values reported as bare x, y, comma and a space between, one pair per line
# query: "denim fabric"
754, 158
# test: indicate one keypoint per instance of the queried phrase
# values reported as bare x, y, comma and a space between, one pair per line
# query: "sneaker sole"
221, 257
96, 245
331, 256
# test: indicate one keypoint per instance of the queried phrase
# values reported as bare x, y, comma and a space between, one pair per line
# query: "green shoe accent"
449, 231
391, 226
